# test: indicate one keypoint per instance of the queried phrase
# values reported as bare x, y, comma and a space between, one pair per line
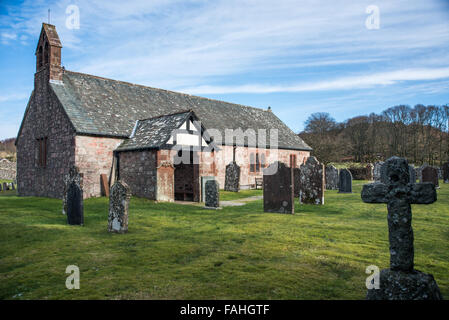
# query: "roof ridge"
167, 115
171, 91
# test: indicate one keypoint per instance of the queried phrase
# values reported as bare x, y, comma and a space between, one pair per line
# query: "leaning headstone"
311, 188
75, 205
376, 170
278, 189
401, 281
232, 177
296, 181
212, 194
430, 174
331, 178
446, 172
412, 174
120, 194
73, 175
345, 181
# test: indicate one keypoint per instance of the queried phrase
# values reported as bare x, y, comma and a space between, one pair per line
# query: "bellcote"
48, 52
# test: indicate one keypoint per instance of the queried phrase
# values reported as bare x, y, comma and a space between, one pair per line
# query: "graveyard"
184, 251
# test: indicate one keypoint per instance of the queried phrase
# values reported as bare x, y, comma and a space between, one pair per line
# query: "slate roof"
154, 132
105, 107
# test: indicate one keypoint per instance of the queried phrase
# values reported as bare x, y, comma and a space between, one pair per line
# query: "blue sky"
298, 57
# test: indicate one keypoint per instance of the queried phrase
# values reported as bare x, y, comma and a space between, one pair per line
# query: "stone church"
138, 134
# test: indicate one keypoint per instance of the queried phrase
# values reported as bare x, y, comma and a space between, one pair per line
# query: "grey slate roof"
154, 132
105, 107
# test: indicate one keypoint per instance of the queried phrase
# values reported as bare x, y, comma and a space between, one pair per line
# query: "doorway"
187, 176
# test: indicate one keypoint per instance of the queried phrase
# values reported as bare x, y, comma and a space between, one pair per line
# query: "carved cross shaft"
398, 194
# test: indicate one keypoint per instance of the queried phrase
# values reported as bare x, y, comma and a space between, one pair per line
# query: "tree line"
418, 133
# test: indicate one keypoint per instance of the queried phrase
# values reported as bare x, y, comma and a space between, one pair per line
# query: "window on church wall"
252, 163
293, 161
257, 163
42, 149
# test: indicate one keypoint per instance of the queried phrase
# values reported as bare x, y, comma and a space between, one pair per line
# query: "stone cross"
398, 193
119, 207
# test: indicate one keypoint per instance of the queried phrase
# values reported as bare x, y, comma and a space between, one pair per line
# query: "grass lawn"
175, 251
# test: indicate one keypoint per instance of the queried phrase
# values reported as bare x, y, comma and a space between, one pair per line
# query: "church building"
163, 144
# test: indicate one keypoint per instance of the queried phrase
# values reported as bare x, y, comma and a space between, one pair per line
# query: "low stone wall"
365, 173
8, 170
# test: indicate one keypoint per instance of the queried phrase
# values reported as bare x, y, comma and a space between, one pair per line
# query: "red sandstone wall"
242, 156
45, 118
94, 156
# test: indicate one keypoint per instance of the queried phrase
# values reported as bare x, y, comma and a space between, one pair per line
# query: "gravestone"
1, 187
370, 173
212, 194
278, 189
446, 172
232, 177
204, 179
296, 181
345, 181
13, 186
377, 170
75, 205
419, 171
311, 182
331, 178
412, 174
120, 194
430, 174
401, 281
73, 175
5, 186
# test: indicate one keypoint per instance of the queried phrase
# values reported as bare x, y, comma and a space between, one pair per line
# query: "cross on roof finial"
398, 193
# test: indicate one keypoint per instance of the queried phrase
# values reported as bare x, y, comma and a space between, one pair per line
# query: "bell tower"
48, 53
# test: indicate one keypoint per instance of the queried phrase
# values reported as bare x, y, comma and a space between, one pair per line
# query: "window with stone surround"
293, 161
252, 163
255, 164
42, 152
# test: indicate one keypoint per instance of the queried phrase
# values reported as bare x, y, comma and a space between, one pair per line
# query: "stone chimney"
48, 54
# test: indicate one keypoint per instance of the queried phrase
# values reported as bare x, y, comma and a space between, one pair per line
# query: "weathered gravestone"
73, 175
232, 177
296, 181
311, 182
446, 172
369, 171
345, 181
204, 179
120, 194
401, 281
430, 174
412, 174
75, 204
212, 194
377, 170
331, 178
278, 189
0, 187
5, 186
13, 186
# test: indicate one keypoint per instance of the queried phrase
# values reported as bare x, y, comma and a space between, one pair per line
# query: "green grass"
175, 251
228, 195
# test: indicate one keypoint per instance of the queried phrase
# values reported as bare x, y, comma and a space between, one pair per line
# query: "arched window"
39, 57
252, 163
46, 53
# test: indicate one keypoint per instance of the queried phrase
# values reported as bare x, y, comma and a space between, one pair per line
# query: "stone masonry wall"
94, 157
45, 118
138, 170
8, 169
